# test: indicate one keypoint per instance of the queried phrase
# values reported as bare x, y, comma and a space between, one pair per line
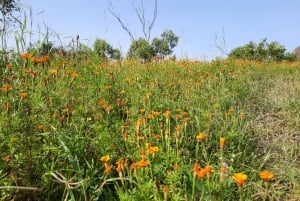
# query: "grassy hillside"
167, 130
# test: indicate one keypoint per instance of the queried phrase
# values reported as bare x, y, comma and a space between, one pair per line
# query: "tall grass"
160, 125
77, 129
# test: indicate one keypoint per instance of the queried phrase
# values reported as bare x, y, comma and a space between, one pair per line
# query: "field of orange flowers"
165, 130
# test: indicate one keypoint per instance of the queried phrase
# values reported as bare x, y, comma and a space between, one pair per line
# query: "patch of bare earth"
280, 136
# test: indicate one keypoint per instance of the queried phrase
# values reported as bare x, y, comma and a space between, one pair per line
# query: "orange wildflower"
139, 122
266, 175
41, 127
26, 56
209, 170
186, 120
196, 168
23, 95
222, 142
176, 166
156, 114
74, 74
108, 108
134, 165
167, 114
10, 65
167, 133
108, 168
201, 136
6, 158
35, 60
101, 102
149, 116
120, 165
165, 190
240, 179
105, 158
6, 87
178, 128
201, 173
143, 163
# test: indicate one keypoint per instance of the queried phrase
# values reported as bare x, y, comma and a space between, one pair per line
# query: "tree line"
143, 47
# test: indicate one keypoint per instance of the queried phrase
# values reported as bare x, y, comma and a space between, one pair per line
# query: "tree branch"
124, 27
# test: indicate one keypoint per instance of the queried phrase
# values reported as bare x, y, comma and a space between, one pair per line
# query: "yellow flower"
201, 136
266, 175
105, 158
153, 150
222, 142
122, 92
53, 71
240, 179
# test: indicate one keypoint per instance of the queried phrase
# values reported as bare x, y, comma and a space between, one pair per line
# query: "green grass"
52, 140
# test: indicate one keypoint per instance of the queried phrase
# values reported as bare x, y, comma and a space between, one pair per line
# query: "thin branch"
154, 19
221, 46
124, 27
140, 12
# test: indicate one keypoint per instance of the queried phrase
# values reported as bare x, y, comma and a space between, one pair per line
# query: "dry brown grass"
280, 134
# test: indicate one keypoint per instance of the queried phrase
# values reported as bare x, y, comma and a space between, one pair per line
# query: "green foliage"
7, 8
104, 50
160, 47
263, 51
297, 52
53, 137
163, 46
141, 49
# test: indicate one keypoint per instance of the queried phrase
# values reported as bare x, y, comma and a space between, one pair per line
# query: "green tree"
296, 52
7, 9
104, 50
163, 46
141, 49
276, 52
263, 51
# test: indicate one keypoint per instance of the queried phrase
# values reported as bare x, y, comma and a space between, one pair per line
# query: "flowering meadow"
84, 130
